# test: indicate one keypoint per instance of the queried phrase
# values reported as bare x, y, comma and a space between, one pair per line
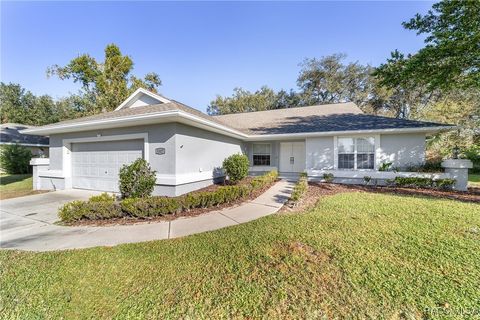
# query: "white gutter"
25, 144
129, 120
194, 120
261, 137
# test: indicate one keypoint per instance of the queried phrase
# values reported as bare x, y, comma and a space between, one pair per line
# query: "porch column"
38, 164
458, 170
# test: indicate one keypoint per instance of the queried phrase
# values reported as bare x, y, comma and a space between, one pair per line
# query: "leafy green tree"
329, 80
450, 58
15, 159
243, 101
461, 108
18, 105
105, 85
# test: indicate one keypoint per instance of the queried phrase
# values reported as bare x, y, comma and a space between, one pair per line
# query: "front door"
292, 156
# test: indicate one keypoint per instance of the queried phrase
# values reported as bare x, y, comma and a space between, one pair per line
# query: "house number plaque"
160, 151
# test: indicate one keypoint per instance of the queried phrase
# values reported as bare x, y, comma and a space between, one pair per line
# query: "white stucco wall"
402, 149
319, 153
191, 156
200, 151
160, 135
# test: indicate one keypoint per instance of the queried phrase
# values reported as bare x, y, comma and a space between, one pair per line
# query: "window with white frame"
261, 154
356, 153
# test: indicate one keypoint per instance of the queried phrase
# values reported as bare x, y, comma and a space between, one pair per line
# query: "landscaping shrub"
137, 179
473, 154
413, 182
150, 207
328, 177
428, 166
236, 167
15, 159
99, 207
444, 184
419, 182
386, 166
105, 206
300, 188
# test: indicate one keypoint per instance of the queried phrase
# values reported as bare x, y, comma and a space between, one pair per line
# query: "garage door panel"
95, 165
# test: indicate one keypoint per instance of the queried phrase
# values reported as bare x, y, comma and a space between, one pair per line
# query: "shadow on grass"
11, 178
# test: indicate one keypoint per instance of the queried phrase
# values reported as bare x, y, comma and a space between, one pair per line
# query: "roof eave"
152, 118
187, 118
291, 136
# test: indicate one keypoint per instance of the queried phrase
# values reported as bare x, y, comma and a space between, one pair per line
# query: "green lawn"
474, 180
357, 255
15, 185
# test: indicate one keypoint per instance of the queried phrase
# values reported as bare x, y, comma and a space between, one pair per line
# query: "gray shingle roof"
319, 118
9, 134
137, 111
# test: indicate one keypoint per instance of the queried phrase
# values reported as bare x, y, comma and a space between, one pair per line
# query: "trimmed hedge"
300, 188
105, 206
419, 182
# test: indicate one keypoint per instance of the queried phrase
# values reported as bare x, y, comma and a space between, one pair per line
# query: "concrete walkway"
38, 233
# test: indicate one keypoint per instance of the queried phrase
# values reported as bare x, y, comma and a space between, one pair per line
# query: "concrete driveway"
26, 223
41, 207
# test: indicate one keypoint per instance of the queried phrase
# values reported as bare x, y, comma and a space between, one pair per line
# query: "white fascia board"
290, 136
151, 118
25, 144
102, 124
195, 121
142, 91
183, 117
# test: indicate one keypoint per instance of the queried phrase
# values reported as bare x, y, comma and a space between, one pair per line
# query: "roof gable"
141, 98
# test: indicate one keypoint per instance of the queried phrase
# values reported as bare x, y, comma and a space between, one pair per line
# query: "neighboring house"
10, 134
187, 147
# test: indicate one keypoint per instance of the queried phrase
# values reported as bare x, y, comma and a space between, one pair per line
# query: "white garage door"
95, 165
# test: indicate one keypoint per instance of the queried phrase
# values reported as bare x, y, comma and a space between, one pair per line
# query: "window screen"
356, 153
261, 154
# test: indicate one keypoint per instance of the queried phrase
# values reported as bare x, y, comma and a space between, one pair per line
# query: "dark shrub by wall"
15, 159
137, 180
236, 167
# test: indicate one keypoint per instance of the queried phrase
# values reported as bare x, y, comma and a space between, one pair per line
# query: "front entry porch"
287, 157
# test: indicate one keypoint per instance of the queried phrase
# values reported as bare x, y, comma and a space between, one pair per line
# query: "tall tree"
329, 80
451, 56
18, 105
458, 107
244, 101
105, 85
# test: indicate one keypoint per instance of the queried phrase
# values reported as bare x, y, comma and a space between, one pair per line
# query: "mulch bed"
191, 213
317, 190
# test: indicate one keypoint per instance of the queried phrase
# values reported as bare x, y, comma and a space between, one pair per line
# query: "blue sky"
199, 49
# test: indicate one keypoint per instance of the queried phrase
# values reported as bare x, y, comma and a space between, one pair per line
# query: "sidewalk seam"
266, 205
229, 218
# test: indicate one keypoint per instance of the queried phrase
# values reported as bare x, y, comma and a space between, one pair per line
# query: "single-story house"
187, 147
10, 134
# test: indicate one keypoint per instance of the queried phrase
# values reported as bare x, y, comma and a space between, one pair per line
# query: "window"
261, 154
356, 153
